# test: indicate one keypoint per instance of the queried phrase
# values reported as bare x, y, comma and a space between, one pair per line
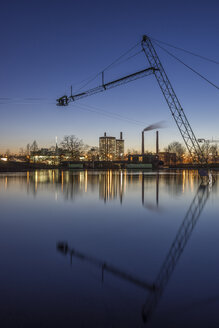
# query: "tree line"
75, 148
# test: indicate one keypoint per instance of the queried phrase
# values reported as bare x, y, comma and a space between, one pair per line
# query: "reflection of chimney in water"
157, 189
157, 142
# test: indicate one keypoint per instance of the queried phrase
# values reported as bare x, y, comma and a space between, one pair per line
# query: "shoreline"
28, 167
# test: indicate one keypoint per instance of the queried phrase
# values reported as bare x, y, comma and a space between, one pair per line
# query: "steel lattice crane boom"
167, 90
65, 100
173, 102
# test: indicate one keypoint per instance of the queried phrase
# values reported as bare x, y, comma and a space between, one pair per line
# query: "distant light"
5, 159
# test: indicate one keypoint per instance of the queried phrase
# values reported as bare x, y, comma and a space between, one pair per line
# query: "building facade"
120, 148
111, 148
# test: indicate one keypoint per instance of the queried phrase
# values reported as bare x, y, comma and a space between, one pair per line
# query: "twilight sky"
48, 45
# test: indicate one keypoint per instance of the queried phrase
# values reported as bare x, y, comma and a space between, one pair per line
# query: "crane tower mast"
173, 102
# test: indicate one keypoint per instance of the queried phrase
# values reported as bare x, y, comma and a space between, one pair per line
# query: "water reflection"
176, 249
63, 248
127, 219
178, 245
111, 185
150, 206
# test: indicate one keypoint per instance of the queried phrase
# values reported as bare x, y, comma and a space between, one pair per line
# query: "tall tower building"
120, 147
111, 148
107, 148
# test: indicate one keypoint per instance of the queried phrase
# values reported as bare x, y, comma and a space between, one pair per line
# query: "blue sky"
48, 45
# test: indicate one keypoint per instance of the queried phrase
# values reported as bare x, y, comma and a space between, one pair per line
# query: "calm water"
127, 221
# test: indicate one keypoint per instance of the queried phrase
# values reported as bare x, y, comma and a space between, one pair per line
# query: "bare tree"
28, 149
206, 150
73, 146
34, 146
214, 153
177, 148
93, 154
21, 151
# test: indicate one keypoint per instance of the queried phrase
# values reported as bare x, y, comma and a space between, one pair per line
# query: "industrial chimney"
121, 135
104, 134
142, 143
157, 142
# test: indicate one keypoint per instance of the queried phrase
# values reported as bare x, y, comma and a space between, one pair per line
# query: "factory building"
111, 148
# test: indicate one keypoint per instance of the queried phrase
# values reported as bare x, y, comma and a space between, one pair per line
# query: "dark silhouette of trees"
214, 153
177, 148
93, 154
34, 146
28, 149
72, 145
210, 151
206, 150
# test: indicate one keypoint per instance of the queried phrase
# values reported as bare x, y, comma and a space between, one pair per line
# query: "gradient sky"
48, 45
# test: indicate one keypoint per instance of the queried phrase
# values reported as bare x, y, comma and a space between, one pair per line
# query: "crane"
201, 140
173, 103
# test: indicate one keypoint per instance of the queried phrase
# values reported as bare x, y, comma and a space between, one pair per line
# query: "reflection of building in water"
59, 182
111, 185
111, 148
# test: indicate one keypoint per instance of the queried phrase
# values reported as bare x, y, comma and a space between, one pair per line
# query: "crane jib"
150, 69
65, 100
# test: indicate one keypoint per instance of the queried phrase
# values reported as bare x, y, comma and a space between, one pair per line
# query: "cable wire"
187, 51
109, 66
109, 115
114, 114
124, 54
189, 67
130, 57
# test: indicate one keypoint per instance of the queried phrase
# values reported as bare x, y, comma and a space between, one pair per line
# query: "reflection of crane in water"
176, 249
63, 248
156, 289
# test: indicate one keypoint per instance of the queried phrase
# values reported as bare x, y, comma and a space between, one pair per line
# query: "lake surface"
119, 268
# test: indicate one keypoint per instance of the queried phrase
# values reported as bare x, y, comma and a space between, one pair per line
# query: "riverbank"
25, 166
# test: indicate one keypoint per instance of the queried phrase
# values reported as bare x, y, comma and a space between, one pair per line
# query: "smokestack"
157, 142
121, 135
142, 142
104, 134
